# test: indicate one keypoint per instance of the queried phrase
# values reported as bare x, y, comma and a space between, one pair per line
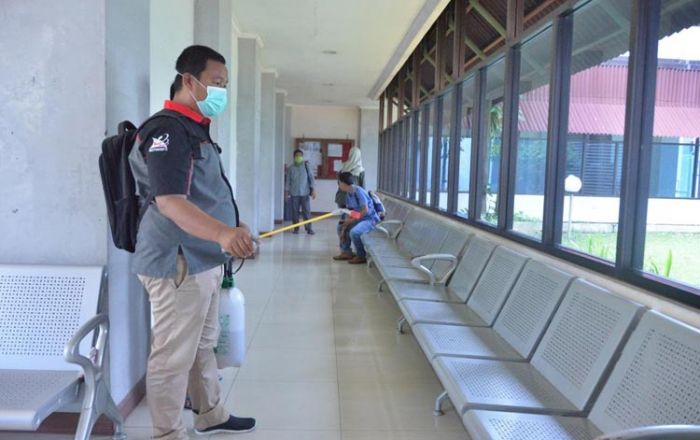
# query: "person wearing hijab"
354, 166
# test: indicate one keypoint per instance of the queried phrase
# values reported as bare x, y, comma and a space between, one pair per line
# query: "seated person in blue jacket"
362, 219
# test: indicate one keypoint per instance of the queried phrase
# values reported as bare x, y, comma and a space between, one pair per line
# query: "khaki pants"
184, 334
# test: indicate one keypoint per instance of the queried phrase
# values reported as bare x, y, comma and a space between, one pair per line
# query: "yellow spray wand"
335, 213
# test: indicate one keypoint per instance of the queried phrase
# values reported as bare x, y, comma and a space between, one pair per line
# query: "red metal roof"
597, 103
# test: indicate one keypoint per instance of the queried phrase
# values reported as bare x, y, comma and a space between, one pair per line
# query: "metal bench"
568, 366
519, 326
46, 316
418, 236
494, 285
388, 229
460, 285
655, 383
434, 267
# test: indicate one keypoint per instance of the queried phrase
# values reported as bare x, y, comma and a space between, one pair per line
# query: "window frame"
636, 161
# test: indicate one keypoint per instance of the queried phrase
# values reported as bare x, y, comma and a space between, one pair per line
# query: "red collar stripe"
186, 111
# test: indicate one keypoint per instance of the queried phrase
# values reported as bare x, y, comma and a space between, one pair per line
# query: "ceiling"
365, 34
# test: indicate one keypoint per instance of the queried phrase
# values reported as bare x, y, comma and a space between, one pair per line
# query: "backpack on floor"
378, 205
124, 207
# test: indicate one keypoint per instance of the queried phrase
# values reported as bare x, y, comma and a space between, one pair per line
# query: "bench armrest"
666, 432
397, 225
92, 366
417, 262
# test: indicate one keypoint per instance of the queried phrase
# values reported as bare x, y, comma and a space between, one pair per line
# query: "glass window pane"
397, 157
400, 160
444, 165
490, 168
407, 150
673, 214
596, 127
429, 162
382, 160
533, 112
465, 147
389, 159
419, 149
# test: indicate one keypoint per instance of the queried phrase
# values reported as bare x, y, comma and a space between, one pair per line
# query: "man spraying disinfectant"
190, 217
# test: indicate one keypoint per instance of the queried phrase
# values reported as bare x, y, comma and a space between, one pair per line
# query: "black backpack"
124, 207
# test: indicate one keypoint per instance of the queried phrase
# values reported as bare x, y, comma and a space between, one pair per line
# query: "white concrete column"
214, 27
52, 104
166, 45
288, 146
280, 150
369, 144
247, 186
128, 59
266, 170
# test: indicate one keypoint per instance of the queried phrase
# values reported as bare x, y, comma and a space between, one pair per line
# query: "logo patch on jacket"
160, 143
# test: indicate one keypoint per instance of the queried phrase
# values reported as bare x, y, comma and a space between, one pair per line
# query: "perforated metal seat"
44, 311
517, 329
439, 314
407, 243
586, 332
29, 396
390, 227
476, 255
655, 382
476, 342
407, 290
393, 261
491, 291
452, 244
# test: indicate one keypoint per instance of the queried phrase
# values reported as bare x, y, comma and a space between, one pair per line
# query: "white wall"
323, 122
52, 121
127, 98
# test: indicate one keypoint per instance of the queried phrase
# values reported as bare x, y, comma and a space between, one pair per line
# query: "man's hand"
313, 194
236, 241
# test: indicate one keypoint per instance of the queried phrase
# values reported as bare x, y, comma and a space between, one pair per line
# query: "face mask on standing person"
214, 103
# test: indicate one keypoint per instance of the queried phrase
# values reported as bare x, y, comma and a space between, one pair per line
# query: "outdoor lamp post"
572, 184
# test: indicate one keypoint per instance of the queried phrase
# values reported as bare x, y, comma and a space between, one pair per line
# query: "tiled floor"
324, 361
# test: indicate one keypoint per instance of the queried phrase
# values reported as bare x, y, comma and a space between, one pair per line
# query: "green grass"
683, 263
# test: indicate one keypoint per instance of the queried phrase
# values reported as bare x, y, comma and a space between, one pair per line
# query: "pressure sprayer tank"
230, 349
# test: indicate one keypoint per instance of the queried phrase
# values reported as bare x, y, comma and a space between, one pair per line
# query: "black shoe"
296, 231
234, 425
310, 232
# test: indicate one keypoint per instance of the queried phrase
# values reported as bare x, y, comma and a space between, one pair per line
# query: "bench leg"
98, 401
437, 411
115, 416
399, 325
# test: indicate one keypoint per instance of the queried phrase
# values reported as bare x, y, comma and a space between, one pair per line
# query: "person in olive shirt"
300, 186
188, 229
